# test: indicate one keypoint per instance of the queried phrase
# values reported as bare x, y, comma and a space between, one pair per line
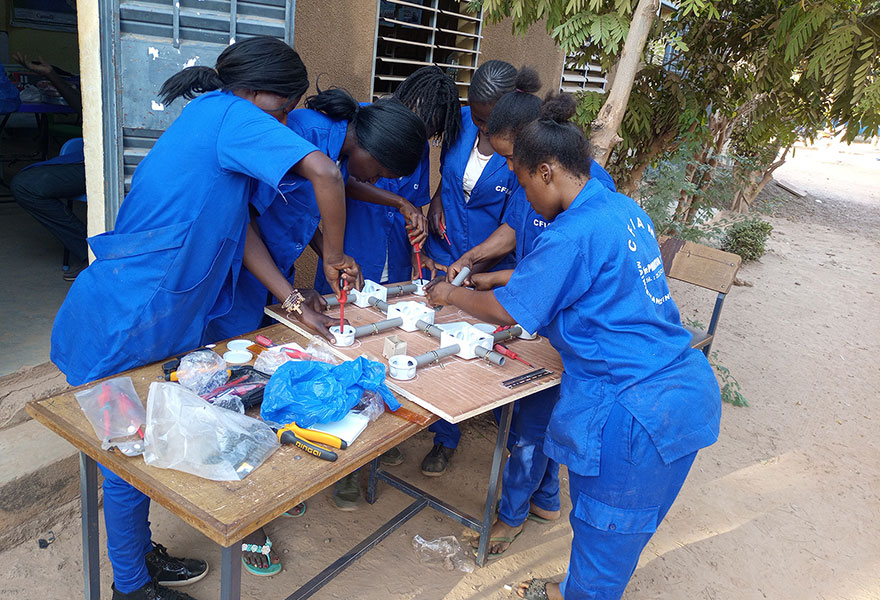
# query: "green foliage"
663, 186
730, 389
747, 238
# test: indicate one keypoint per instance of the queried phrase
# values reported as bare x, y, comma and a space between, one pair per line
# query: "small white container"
525, 335
420, 286
402, 367
237, 357
344, 337
239, 344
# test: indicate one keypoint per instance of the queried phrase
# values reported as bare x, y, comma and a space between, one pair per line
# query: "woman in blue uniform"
383, 139
531, 479
172, 260
467, 206
380, 237
636, 402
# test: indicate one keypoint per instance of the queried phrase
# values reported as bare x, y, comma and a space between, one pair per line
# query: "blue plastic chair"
71, 146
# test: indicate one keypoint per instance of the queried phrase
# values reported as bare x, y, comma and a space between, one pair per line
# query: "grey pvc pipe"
429, 357
507, 334
490, 355
380, 304
462, 275
331, 300
431, 330
399, 290
377, 327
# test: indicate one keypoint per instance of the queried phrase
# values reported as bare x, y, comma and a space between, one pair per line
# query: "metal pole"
88, 489
230, 572
494, 481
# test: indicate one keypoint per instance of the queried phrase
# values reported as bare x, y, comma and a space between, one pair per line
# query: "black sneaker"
436, 461
347, 492
392, 458
171, 571
151, 591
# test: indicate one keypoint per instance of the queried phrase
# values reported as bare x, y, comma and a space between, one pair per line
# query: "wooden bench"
704, 267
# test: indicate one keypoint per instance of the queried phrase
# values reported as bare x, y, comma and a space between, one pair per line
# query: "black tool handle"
288, 437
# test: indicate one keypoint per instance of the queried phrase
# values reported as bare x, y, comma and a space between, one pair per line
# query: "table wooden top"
453, 388
225, 511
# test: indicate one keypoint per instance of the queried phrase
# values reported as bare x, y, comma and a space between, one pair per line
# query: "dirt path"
784, 506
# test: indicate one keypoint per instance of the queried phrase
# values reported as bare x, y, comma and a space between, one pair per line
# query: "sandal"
537, 590
507, 540
265, 549
539, 519
297, 511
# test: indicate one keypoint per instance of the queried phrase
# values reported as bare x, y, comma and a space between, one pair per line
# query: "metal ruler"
530, 376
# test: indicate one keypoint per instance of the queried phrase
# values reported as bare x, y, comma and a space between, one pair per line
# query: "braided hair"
433, 96
492, 79
259, 64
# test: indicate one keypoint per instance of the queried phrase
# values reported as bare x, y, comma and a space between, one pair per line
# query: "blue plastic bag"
309, 392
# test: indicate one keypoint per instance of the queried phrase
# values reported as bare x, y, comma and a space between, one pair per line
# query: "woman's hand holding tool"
416, 222
351, 271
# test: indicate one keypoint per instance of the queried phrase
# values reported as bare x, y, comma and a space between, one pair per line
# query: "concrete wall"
536, 49
335, 40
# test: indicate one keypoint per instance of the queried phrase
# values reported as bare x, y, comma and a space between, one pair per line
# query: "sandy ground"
784, 506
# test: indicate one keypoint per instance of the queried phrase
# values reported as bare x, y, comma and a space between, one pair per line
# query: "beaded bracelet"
293, 303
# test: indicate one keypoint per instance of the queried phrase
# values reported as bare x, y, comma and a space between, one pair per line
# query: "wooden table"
225, 511
453, 388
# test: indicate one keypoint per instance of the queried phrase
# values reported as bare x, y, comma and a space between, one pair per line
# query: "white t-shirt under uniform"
475, 165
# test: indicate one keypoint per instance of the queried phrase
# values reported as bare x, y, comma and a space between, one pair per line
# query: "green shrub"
747, 238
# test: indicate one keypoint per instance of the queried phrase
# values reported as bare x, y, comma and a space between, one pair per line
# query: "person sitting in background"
42, 189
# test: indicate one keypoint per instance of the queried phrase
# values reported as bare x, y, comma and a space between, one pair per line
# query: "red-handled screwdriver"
418, 249
443, 231
502, 349
343, 298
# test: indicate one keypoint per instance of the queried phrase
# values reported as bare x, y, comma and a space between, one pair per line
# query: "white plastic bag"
116, 413
202, 371
189, 434
444, 551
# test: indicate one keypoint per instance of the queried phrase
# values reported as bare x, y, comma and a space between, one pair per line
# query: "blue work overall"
169, 267
636, 402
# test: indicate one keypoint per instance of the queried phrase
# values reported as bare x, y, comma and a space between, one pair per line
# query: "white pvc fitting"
525, 335
371, 289
345, 337
411, 312
420, 286
466, 336
402, 367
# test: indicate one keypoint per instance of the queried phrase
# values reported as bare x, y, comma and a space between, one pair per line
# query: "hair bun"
527, 80
558, 107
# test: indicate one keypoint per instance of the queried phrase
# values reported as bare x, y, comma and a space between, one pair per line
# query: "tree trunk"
746, 196
661, 143
603, 136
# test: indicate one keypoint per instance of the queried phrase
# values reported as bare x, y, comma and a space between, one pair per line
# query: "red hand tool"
443, 231
343, 298
418, 249
502, 349
298, 355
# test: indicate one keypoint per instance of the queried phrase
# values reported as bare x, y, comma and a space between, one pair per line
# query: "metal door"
143, 43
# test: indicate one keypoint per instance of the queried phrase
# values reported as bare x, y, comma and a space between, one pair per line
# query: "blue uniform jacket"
172, 261
374, 232
522, 218
286, 226
594, 284
469, 224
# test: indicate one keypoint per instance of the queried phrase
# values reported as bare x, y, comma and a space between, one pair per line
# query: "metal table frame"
230, 562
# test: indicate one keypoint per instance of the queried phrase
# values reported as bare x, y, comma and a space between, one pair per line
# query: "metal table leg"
494, 482
230, 573
373, 481
88, 487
